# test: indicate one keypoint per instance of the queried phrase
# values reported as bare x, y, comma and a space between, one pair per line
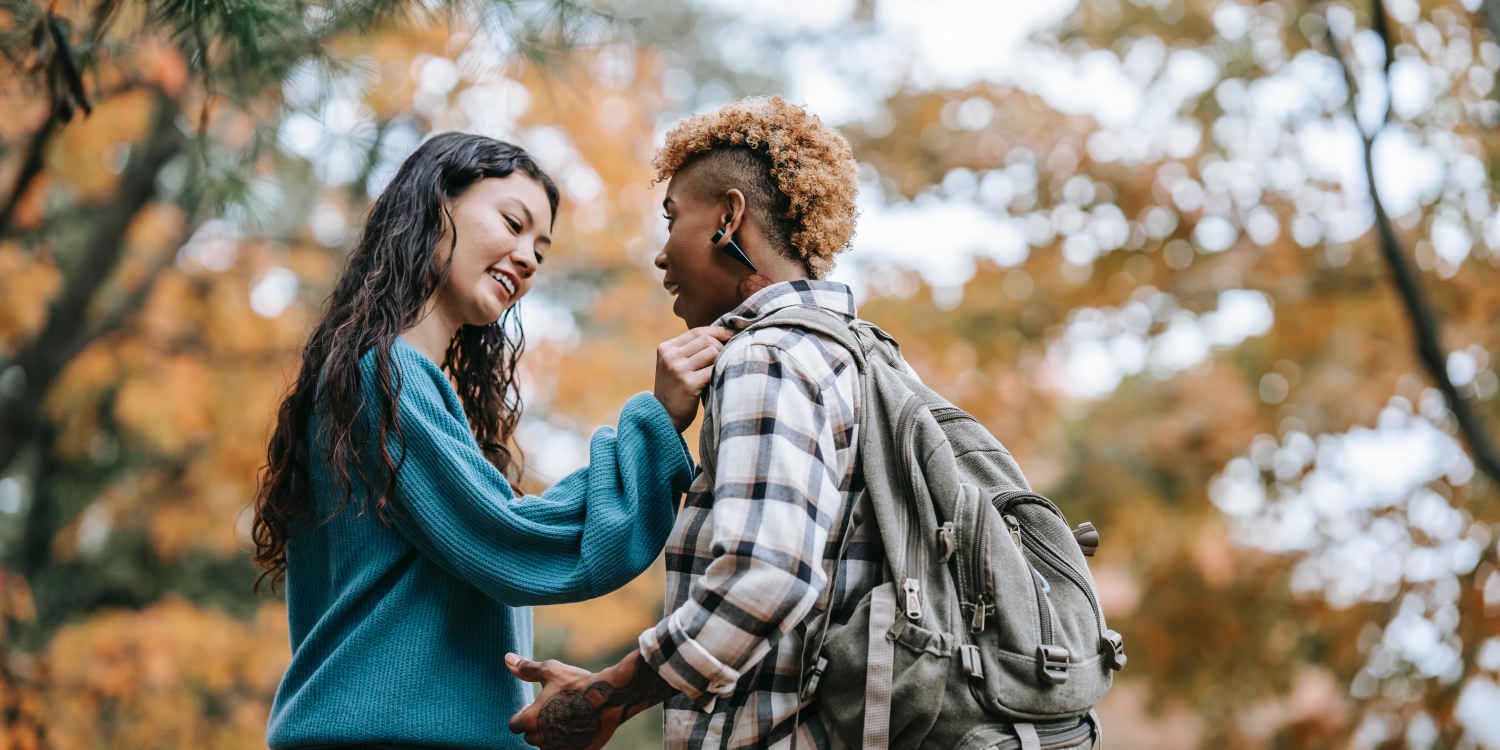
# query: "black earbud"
733, 249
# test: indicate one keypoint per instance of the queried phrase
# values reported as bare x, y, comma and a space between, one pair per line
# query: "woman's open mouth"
505, 281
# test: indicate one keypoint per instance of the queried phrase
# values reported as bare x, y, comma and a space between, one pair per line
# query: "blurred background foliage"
1134, 237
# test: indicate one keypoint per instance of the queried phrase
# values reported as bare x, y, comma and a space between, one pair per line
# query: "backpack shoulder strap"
846, 332
866, 342
818, 320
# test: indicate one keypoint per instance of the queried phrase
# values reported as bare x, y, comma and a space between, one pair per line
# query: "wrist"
637, 686
617, 674
678, 422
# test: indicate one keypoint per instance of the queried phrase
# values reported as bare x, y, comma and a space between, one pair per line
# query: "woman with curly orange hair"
760, 198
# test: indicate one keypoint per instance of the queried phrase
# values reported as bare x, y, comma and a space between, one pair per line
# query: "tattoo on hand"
569, 720
572, 719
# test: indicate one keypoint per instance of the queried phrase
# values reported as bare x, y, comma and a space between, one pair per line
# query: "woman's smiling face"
704, 279
503, 229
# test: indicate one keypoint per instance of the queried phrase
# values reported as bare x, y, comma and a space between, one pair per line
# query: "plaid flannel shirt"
750, 555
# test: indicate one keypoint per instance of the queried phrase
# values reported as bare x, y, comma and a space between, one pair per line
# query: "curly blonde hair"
797, 173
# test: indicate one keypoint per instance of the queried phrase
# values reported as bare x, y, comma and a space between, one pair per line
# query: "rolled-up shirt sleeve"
775, 498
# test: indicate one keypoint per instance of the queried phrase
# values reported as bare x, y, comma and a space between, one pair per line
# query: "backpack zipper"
980, 584
911, 586
1063, 566
1042, 550
946, 414
1043, 608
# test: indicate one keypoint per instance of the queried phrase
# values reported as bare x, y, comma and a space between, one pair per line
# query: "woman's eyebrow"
524, 209
666, 203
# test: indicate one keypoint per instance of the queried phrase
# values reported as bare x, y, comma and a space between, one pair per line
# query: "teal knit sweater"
399, 631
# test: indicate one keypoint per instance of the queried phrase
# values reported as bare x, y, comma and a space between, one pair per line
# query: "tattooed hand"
580, 710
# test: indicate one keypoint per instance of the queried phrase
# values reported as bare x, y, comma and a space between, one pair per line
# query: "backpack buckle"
1114, 649
1088, 538
972, 664
817, 676
1052, 664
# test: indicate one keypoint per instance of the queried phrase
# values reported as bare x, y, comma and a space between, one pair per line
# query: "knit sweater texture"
399, 629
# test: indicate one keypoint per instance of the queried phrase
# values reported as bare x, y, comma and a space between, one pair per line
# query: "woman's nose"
525, 260
661, 260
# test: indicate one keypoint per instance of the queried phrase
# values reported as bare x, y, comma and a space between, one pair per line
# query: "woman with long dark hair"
409, 562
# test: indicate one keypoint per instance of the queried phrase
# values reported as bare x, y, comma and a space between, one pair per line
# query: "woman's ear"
446, 238
732, 211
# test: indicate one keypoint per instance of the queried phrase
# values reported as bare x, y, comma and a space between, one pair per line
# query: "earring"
733, 249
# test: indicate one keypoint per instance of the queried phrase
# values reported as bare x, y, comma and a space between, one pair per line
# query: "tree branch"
63, 335
1424, 323
31, 167
135, 298
65, 88
36, 150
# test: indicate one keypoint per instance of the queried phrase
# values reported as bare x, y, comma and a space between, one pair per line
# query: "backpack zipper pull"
977, 624
1015, 529
947, 542
913, 600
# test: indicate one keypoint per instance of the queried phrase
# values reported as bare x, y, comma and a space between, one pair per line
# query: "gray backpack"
987, 632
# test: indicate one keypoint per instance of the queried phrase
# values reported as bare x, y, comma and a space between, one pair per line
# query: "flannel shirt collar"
829, 295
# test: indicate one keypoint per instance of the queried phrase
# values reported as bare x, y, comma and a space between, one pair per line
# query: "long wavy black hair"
394, 269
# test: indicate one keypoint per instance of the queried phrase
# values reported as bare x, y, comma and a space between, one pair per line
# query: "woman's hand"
683, 366
578, 709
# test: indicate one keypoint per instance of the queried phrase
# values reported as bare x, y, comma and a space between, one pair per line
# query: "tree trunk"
65, 333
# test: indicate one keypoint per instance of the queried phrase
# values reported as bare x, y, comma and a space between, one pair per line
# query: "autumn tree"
146, 212
1180, 313
1198, 345
1171, 305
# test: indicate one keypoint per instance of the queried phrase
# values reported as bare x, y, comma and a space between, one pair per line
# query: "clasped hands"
578, 709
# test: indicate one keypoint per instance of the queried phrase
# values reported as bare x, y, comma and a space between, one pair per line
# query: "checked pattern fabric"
750, 555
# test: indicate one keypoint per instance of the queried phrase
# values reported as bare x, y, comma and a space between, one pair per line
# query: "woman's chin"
487, 314
682, 309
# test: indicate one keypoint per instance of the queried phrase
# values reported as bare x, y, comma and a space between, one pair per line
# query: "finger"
667, 348
694, 382
705, 341
684, 338
525, 669
718, 332
702, 358
697, 343
523, 721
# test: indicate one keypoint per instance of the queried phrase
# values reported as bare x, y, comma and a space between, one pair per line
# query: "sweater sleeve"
585, 536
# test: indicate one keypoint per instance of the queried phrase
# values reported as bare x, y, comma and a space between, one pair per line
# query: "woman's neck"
431, 334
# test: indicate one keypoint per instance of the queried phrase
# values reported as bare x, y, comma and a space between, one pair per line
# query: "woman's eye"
668, 217
515, 226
